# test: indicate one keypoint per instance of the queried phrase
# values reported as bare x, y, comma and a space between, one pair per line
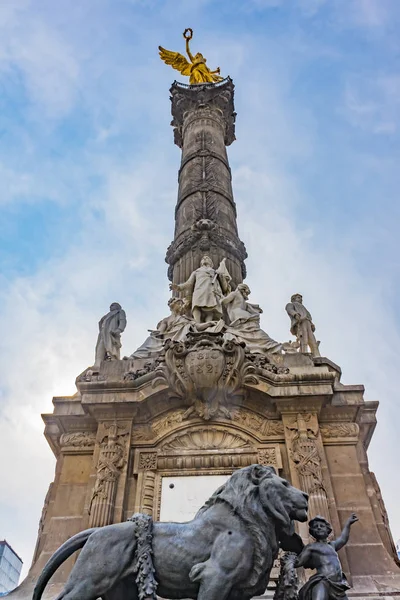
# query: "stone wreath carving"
206, 372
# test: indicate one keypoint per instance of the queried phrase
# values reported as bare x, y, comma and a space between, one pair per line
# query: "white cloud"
373, 103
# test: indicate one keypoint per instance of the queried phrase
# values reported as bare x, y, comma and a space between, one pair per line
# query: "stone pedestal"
118, 438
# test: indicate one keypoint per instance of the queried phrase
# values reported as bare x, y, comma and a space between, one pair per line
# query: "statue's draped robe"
174, 327
336, 589
245, 325
204, 288
200, 73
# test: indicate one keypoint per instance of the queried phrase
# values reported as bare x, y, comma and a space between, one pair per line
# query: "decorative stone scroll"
206, 372
112, 459
303, 432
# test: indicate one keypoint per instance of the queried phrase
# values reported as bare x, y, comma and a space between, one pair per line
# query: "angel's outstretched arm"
190, 55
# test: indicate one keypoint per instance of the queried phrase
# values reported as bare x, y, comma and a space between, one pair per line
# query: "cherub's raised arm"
344, 536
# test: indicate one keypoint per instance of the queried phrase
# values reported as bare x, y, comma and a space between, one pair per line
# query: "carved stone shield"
205, 367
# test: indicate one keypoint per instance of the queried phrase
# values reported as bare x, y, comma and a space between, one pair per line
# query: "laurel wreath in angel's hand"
196, 69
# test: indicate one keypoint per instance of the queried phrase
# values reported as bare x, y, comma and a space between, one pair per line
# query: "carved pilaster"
112, 458
302, 432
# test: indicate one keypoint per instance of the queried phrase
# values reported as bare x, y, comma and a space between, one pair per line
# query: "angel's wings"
176, 60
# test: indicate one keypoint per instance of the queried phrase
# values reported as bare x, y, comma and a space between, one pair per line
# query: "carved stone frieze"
78, 439
167, 422
339, 430
112, 458
206, 372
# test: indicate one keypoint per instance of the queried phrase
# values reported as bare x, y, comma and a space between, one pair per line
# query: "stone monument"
209, 392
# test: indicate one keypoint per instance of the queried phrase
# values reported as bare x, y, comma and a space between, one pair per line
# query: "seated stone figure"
329, 582
245, 322
174, 327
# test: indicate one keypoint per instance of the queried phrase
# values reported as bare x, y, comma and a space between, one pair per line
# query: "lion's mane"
243, 497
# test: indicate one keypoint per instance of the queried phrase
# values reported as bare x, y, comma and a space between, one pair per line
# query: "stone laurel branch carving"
287, 585
263, 364
78, 439
261, 425
340, 430
148, 461
147, 368
165, 423
206, 372
143, 560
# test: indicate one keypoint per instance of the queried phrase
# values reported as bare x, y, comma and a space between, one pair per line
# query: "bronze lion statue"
225, 553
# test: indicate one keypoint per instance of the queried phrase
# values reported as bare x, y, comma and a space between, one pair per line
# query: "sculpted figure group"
225, 553
208, 303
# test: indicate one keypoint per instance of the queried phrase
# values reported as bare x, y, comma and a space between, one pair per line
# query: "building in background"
10, 568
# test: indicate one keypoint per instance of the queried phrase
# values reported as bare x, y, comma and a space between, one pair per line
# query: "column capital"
186, 98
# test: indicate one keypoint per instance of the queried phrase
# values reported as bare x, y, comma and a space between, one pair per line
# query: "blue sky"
89, 181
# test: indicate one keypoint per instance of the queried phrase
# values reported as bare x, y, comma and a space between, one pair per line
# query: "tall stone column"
205, 214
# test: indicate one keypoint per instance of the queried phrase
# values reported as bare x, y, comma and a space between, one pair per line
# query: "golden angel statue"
196, 69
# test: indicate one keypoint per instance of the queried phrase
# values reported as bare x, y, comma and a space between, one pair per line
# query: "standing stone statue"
301, 325
245, 322
206, 288
109, 340
329, 582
